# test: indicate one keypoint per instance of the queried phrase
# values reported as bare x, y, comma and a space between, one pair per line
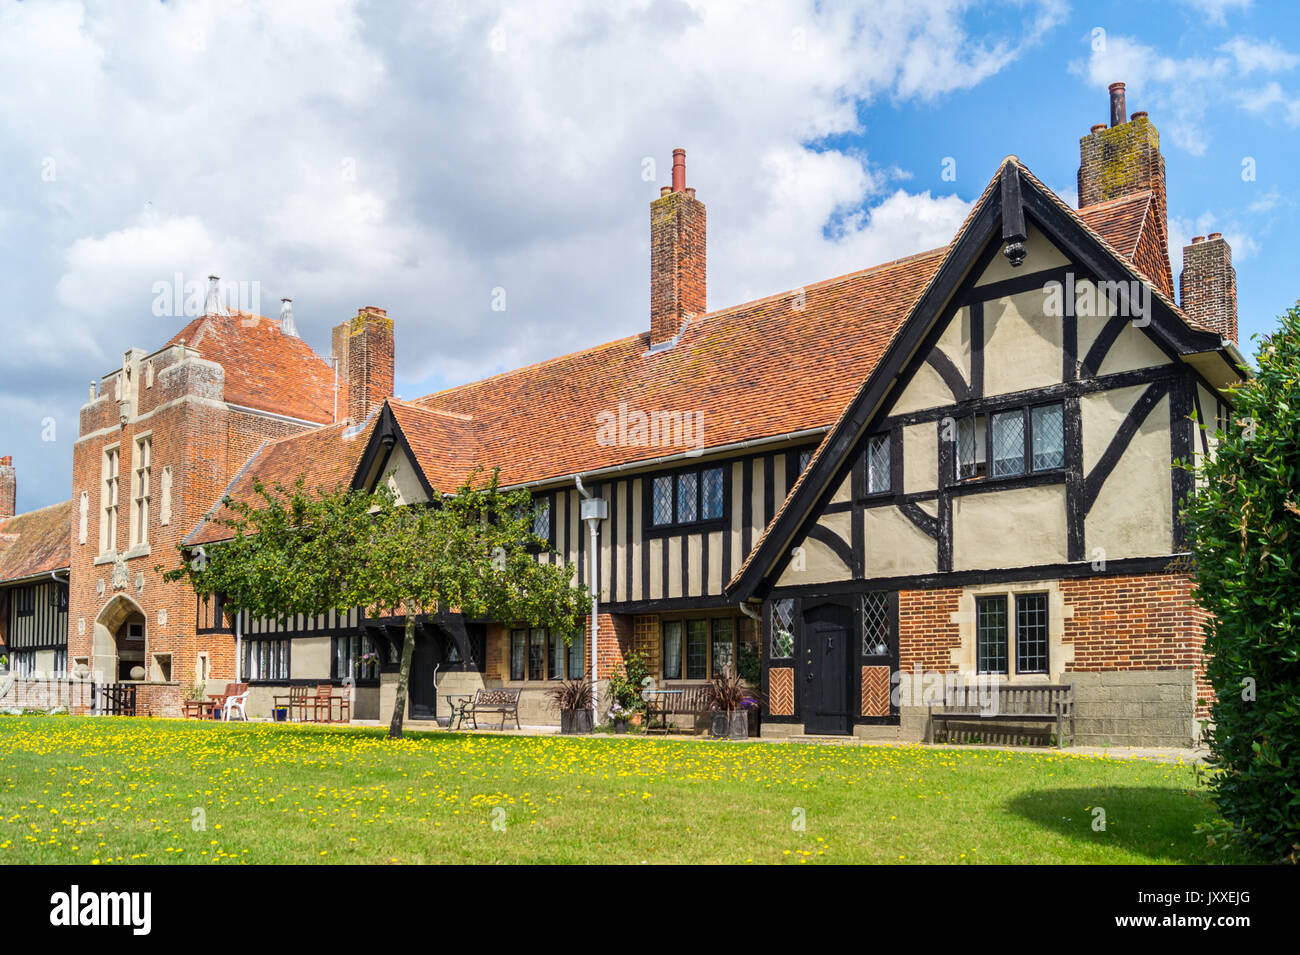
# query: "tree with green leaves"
1244, 523
292, 551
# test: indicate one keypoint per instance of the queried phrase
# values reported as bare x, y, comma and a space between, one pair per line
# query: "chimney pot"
1097, 127
1197, 238
287, 325
1140, 114
1118, 108
679, 170
1214, 235
664, 190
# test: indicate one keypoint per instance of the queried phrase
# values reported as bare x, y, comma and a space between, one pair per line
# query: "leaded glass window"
805, 458
1048, 428
782, 629
723, 647
672, 637
991, 634
1031, 633
878, 464
697, 648
542, 518
537, 655
711, 497
875, 625
687, 497
577, 662
663, 500
1008, 443
518, 654
557, 655
971, 456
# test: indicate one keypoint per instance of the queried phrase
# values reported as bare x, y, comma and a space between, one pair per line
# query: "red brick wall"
926, 634
1143, 622
1135, 622
205, 443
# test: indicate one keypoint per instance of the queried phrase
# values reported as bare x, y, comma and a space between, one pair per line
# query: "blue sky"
425, 157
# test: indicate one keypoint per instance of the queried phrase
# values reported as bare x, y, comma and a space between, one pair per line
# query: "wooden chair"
325, 699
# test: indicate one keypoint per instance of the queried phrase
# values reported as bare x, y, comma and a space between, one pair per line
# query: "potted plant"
750, 667
625, 686
731, 703
573, 698
619, 717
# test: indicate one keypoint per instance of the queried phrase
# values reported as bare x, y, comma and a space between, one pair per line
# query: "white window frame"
141, 490
110, 470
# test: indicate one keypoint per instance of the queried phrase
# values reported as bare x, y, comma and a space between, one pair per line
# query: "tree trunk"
403, 679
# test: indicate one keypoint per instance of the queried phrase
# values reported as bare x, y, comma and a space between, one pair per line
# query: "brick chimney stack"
8, 488
1207, 286
363, 357
677, 256
1122, 159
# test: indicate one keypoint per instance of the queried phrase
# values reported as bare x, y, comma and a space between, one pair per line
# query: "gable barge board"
879, 387
1098, 261
957, 268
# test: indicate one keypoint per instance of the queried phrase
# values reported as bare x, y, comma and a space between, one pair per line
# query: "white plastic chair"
235, 703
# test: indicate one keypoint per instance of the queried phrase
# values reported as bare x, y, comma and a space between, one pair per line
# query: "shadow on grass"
1154, 822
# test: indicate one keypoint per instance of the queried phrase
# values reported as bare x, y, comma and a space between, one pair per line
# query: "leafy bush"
1244, 523
571, 695
625, 684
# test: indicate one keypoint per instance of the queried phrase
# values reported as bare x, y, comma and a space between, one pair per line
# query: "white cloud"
418, 157
1216, 11
1252, 55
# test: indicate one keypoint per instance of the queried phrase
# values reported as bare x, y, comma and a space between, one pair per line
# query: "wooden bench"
1033, 703
660, 704
499, 700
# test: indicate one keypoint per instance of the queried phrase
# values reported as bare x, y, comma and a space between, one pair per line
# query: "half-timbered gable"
1031, 422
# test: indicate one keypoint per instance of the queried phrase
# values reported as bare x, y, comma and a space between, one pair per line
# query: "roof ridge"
1127, 197
37, 510
416, 406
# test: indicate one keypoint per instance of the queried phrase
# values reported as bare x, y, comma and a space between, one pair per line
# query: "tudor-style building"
962, 462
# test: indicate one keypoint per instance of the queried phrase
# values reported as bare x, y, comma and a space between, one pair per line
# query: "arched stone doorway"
119, 640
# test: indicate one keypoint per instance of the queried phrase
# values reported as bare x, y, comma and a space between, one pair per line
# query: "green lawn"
123, 790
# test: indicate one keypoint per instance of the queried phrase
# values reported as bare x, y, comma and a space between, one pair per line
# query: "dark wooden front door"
424, 663
827, 702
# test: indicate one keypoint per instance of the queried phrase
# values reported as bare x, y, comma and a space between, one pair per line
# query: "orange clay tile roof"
36, 542
265, 368
788, 362
447, 445
323, 457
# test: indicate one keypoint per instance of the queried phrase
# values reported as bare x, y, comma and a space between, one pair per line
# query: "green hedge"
1245, 527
